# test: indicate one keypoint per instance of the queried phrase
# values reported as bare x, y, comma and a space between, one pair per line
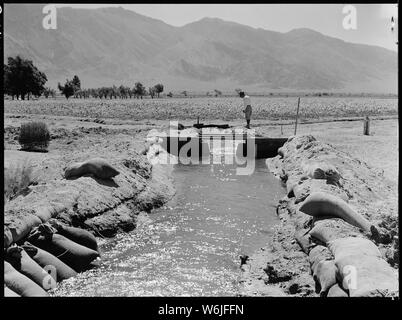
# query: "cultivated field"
268, 112
125, 115
226, 109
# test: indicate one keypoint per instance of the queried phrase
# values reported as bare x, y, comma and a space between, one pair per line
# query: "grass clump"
17, 178
34, 136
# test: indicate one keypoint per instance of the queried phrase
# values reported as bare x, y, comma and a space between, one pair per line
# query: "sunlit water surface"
191, 246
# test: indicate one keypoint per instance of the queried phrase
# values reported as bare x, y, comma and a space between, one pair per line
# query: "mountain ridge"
107, 46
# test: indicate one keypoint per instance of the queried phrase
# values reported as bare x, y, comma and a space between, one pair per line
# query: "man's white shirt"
247, 101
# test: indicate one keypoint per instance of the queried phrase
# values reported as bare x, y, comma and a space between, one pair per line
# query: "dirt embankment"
103, 206
314, 246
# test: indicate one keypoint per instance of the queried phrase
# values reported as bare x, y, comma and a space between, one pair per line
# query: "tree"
170, 94
49, 92
103, 92
94, 93
128, 92
184, 93
86, 93
152, 92
72, 88
158, 88
77, 83
217, 93
124, 91
46, 93
22, 78
68, 89
114, 92
77, 87
139, 90
6, 81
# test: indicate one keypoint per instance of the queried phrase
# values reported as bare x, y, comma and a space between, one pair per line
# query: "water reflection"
191, 246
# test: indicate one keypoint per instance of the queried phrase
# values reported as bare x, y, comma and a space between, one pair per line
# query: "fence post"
297, 114
366, 126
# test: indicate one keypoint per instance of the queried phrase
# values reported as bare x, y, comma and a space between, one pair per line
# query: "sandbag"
78, 235
337, 291
366, 276
49, 261
306, 187
19, 225
281, 152
24, 264
21, 284
71, 253
303, 189
331, 229
8, 237
322, 233
10, 293
322, 170
45, 212
100, 168
324, 276
304, 240
353, 246
323, 204
317, 254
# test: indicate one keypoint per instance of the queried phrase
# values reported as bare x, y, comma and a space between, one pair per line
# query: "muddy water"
191, 246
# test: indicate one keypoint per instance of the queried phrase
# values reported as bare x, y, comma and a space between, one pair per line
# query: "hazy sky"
373, 20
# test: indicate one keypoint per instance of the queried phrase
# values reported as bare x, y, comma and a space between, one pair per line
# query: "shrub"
17, 179
34, 136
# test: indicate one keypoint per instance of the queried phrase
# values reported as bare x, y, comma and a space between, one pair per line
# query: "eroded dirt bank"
104, 207
288, 265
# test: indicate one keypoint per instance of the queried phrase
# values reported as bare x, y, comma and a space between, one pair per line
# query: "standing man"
247, 107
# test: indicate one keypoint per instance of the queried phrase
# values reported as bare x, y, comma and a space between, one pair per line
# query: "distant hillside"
113, 46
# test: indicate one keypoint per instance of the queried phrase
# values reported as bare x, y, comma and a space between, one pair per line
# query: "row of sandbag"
343, 263
53, 252
19, 221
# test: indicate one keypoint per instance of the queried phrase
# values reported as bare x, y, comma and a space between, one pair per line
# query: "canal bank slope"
102, 206
313, 247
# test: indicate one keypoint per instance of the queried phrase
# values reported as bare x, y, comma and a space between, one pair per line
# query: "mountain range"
109, 46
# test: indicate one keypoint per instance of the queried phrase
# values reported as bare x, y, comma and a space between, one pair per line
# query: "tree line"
22, 79
73, 88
